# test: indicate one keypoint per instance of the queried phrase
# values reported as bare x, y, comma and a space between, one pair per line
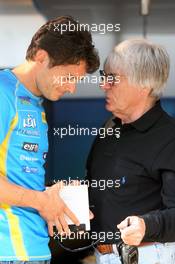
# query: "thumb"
123, 224
91, 215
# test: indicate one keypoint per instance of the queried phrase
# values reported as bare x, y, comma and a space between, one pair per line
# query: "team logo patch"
28, 123
25, 100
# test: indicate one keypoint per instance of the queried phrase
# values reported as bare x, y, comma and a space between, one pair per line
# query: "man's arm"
15, 195
48, 203
160, 224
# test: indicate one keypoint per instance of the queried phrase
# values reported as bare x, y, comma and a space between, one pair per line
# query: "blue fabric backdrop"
67, 156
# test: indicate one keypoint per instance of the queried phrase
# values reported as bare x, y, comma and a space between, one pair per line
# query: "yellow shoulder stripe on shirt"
43, 115
4, 147
13, 220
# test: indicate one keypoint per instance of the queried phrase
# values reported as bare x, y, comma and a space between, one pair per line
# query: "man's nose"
105, 86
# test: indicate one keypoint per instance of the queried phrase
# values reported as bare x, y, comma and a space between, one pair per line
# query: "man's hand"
53, 210
91, 215
133, 234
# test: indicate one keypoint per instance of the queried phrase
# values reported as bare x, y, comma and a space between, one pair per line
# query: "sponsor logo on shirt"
28, 169
123, 180
28, 121
23, 157
31, 147
25, 100
45, 155
28, 133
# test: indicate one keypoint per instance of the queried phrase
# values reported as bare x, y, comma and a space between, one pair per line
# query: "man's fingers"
50, 228
60, 185
128, 231
58, 226
64, 224
123, 224
71, 215
91, 215
134, 233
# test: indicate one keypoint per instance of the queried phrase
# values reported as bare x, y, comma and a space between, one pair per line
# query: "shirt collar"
147, 120
23, 89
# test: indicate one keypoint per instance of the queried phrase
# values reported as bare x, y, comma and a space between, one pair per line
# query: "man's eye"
110, 78
72, 78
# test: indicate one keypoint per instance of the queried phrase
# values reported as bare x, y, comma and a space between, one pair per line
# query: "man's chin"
55, 98
108, 107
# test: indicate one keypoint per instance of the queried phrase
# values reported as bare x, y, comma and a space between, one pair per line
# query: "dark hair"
68, 47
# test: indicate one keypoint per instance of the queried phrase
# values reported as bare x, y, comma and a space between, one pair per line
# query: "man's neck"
136, 112
26, 73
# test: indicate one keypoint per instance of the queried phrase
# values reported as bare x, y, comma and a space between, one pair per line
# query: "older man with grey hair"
138, 204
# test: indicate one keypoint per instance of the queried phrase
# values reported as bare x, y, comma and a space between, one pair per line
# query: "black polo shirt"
138, 169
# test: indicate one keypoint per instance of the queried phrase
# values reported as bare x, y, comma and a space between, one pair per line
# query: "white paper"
76, 198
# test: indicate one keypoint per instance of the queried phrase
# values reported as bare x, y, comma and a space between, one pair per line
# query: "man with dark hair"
26, 208
65, 44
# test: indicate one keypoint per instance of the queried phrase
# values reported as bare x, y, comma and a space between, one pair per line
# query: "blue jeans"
26, 262
160, 253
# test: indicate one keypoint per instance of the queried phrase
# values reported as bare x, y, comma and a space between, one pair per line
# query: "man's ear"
145, 91
41, 57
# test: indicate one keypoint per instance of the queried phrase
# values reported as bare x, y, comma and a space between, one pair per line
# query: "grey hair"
144, 64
